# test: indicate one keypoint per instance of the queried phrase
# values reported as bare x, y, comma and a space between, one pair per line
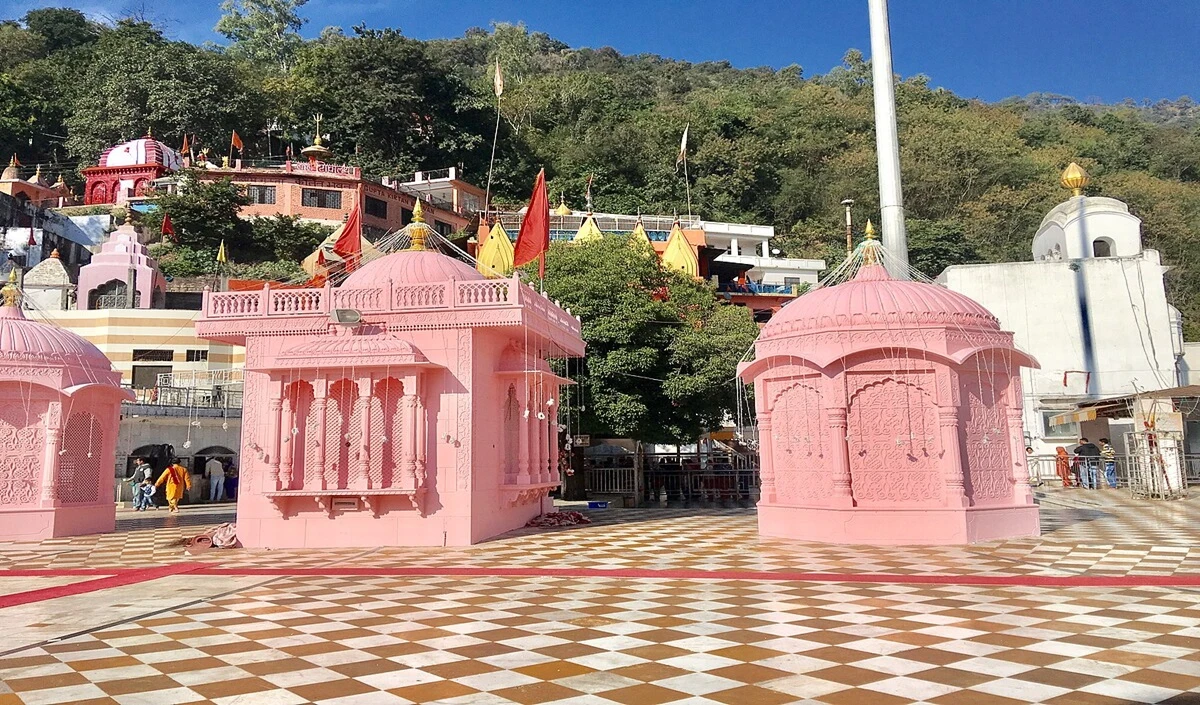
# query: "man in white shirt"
214, 470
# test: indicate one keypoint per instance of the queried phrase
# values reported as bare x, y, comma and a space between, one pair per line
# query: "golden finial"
1074, 178
13, 161
870, 230
418, 215
562, 209
128, 215
150, 132
54, 254
417, 228
12, 296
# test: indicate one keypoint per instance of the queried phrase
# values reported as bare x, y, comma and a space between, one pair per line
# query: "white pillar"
733, 246
766, 248
891, 199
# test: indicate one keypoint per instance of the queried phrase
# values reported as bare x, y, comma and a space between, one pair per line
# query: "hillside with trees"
767, 146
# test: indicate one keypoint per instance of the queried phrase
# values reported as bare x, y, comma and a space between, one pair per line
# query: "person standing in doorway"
178, 479
1108, 455
1062, 465
214, 470
1089, 460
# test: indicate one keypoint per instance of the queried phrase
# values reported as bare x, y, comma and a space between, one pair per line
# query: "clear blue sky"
991, 49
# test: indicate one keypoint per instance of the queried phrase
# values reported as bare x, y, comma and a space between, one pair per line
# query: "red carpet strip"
117, 578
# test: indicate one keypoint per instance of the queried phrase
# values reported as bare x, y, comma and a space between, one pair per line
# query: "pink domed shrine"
889, 412
411, 405
128, 169
60, 407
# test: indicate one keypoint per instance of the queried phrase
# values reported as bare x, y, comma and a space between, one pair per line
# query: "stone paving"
695, 608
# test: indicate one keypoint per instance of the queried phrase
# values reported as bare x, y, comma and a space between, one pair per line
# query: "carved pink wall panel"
986, 434
801, 448
302, 448
893, 443
80, 471
342, 426
22, 445
511, 438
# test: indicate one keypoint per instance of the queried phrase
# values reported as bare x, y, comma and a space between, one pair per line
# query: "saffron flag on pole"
221, 256
498, 80
534, 237
348, 245
237, 141
168, 228
682, 148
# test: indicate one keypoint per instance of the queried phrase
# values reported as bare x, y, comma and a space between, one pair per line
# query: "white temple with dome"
1091, 307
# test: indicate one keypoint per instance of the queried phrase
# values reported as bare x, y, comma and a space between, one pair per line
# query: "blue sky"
1091, 49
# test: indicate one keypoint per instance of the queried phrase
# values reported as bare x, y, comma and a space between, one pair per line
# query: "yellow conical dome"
589, 231
562, 207
680, 256
640, 238
494, 257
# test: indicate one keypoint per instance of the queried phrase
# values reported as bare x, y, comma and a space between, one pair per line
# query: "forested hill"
766, 146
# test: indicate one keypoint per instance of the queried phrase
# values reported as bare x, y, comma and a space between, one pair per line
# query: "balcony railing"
495, 293
188, 397
754, 288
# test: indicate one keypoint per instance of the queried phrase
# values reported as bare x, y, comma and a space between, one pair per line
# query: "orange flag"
237, 141
534, 237
349, 244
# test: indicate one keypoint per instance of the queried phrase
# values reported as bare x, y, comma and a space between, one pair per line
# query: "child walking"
143, 496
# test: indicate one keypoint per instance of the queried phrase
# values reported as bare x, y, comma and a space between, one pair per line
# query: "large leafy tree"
662, 351
206, 213
61, 28
265, 31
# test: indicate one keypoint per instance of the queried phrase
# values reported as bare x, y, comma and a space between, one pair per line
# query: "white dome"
145, 150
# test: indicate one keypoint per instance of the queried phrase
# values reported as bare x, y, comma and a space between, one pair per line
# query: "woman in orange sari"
1062, 465
177, 478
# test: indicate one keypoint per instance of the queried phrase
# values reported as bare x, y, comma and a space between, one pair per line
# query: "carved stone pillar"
1022, 494
542, 469
274, 411
525, 422
408, 441
843, 493
766, 458
51, 459
420, 428
552, 440
288, 443
953, 466
364, 446
319, 408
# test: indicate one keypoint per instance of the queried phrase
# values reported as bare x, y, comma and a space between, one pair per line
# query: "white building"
1091, 308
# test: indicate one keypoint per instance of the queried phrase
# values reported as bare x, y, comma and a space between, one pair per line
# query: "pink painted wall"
118, 255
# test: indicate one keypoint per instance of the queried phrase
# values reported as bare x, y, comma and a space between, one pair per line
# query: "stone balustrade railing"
494, 293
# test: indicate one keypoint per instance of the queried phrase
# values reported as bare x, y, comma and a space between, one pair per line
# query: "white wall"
1039, 303
1070, 228
138, 431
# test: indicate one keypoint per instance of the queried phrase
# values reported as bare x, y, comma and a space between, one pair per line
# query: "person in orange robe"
177, 478
1062, 465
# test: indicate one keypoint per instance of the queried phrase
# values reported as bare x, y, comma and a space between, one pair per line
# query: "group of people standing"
1083, 469
177, 480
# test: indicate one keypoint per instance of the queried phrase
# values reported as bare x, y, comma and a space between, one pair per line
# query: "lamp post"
849, 227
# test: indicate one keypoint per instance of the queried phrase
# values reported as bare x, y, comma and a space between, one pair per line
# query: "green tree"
18, 45
289, 238
662, 352
61, 28
206, 213
264, 31
934, 245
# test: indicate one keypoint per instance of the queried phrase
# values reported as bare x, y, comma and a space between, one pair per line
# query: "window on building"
146, 376
1065, 431
376, 208
152, 355
261, 194
197, 356
320, 198
1102, 247
444, 229
405, 216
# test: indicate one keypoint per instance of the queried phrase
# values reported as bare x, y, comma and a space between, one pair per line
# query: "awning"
1082, 415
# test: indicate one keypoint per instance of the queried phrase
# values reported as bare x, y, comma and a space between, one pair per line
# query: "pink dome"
38, 343
410, 267
145, 150
872, 298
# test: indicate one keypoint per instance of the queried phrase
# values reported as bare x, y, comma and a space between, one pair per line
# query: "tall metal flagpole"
891, 199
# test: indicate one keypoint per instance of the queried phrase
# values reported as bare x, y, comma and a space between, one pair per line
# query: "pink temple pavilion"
889, 412
60, 407
412, 405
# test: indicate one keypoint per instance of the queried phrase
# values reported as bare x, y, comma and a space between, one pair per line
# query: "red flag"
534, 237
187, 147
168, 228
32, 242
237, 141
349, 243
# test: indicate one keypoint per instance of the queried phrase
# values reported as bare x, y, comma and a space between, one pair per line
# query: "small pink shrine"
410, 406
889, 412
121, 275
60, 407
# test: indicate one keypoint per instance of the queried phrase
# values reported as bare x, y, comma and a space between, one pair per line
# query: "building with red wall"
128, 169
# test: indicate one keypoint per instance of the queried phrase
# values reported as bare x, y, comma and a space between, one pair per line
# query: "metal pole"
891, 199
848, 203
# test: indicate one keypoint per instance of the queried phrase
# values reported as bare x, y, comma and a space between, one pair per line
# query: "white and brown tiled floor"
694, 608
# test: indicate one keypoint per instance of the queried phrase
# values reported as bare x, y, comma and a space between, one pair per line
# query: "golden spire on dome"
870, 247
54, 254
13, 161
1074, 178
417, 228
12, 296
150, 132
562, 209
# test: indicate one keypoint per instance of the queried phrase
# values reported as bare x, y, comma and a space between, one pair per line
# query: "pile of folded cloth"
223, 536
559, 519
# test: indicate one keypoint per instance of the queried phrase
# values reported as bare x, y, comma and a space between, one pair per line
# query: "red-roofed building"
126, 170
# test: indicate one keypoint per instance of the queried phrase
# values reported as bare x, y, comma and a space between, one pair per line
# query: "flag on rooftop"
168, 228
221, 256
498, 80
534, 237
237, 141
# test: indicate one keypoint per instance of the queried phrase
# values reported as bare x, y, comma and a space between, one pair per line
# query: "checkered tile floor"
645, 641
598, 640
